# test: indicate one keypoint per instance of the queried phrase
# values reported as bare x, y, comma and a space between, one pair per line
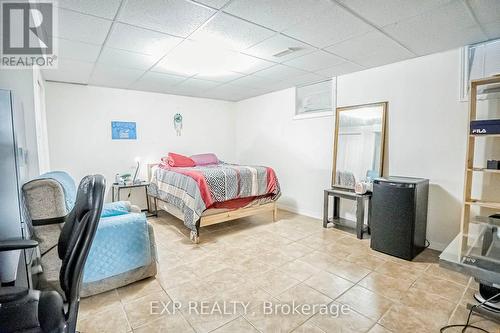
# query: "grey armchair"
48, 201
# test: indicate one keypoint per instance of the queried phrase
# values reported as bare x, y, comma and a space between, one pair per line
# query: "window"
315, 100
479, 60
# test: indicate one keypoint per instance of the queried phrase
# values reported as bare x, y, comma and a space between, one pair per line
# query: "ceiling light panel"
331, 26
106, 9
276, 14
277, 44
81, 27
225, 31
140, 40
192, 57
175, 17
315, 61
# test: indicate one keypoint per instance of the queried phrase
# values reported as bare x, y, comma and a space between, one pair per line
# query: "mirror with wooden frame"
358, 149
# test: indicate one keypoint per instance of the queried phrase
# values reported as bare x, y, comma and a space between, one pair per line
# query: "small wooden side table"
361, 199
115, 196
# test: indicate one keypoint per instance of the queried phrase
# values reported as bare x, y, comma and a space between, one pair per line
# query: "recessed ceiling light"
286, 52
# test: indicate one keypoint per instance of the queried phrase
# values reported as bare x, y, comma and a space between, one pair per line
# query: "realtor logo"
27, 34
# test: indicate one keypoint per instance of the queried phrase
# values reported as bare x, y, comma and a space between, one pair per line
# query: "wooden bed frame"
222, 216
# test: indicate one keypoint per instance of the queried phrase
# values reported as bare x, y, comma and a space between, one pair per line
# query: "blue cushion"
121, 244
115, 208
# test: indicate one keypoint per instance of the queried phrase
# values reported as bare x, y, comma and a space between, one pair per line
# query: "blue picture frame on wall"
123, 130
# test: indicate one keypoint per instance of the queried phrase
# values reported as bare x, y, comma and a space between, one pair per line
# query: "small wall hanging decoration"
178, 123
123, 130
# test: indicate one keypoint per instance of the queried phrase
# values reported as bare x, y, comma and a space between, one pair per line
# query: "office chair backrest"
76, 239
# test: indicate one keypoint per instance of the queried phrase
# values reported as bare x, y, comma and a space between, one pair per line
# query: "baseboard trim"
300, 211
433, 245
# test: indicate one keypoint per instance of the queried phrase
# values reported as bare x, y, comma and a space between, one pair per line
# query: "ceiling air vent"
286, 52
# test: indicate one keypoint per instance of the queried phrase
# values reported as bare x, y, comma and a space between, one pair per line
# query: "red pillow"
176, 160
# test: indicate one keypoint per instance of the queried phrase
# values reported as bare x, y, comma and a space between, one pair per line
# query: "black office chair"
23, 310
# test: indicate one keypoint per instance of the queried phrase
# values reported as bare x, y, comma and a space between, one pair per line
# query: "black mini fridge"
398, 217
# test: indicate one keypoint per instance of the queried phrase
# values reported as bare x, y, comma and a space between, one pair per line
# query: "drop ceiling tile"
384, 12
276, 14
445, 28
314, 61
492, 29
68, 49
242, 63
126, 59
108, 76
140, 40
196, 85
176, 17
254, 81
280, 72
232, 33
106, 9
306, 79
224, 95
69, 71
285, 84
371, 49
488, 14
219, 76
81, 27
213, 3
215, 95
485, 10
157, 82
340, 69
174, 64
331, 26
278, 43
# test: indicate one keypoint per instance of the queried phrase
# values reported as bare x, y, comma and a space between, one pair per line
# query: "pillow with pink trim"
177, 160
205, 159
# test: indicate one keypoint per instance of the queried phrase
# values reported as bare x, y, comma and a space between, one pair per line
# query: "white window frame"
464, 68
321, 113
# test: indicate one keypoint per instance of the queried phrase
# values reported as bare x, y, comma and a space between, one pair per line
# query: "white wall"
21, 83
79, 126
426, 136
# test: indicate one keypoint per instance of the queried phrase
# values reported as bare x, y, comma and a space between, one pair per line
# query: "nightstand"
117, 188
349, 194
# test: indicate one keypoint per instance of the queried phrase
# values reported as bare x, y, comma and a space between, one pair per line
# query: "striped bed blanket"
193, 190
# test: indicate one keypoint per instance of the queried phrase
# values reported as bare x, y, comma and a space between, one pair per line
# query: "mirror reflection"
359, 142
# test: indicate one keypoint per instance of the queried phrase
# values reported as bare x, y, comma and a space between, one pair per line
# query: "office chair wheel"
194, 237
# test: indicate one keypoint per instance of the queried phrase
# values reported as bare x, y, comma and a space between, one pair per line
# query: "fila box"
483, 127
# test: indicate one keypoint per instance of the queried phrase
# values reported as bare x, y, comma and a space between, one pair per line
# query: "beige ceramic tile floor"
292, 261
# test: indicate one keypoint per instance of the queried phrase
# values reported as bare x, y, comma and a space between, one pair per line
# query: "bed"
206, 195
